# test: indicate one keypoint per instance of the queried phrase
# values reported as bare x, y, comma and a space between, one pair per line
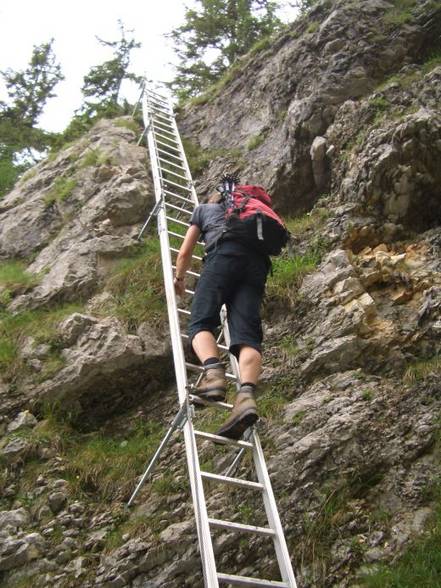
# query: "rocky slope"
340, 117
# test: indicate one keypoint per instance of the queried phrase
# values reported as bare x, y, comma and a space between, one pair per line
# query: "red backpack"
251, 220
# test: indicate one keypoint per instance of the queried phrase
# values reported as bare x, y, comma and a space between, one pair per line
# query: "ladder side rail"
178, 351
185, 162
272, 514
203, 528
269, 501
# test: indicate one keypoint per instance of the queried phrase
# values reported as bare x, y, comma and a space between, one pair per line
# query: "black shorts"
234, 277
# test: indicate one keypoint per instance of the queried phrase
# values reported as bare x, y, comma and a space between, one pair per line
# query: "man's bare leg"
212, 385
250, 364
204, 345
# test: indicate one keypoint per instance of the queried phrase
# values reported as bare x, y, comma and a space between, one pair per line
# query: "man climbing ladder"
234, 274
247, 212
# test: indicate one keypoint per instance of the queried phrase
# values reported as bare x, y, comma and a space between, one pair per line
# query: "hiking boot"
212, 386
243, 415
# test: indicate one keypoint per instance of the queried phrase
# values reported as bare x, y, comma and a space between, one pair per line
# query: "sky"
74, 27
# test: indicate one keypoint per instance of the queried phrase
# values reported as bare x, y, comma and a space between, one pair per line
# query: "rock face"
345, 105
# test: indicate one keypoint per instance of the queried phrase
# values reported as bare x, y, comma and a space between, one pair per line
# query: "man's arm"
183, 261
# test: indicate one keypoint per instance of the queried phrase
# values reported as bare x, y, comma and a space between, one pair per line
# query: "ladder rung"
199, 368
168, 139
195, 274
159, 129
154, 107
180, 197
166, 117
223, 440
171, 163
159, 96
232, 526
169, 154
246, 581
166, 145
233, 481
211, 403
193, 256
167, 126
168, 171
163, 107
171, 183
183, 311
189, 291
190, 212
182, 236
174, 220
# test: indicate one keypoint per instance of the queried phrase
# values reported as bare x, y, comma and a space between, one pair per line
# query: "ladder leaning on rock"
175, 201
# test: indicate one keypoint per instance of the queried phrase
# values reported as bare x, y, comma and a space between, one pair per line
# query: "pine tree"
21, 141
214, 35
103, 82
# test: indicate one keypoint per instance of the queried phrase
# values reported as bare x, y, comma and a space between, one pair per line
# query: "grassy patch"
14, 278
419, 370
95, 158
433, 61
39, 324
300, 225
298, 417
137, 287
420, 566
256, 141
107, 466
289, 270
199, 159
400, 13
313, 27
127, 124
60, 191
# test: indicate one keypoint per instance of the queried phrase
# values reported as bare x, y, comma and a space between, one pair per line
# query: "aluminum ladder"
175, 201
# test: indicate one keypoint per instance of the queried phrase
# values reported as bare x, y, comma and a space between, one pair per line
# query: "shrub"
60, 191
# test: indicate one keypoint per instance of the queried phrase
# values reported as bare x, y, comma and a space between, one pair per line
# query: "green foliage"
95, 158
289, 271
39, 324
130, 124
103, 82
137, 287
61, 190
255, 141
313, 27
432, 61
400, 13
21, 141
298, 417
13, 275
199, 159
420, 369
107, 466
222, 30
304, 5
419, 566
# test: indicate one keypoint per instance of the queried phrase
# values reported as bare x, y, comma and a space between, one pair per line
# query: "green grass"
418, 567
104, 466
401, 12
107, 466
256, 141
433, 61
127, 124
137, 287
419, 370
14, 278
39, 324
300, 225
289, 271
60, 191
95, 158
